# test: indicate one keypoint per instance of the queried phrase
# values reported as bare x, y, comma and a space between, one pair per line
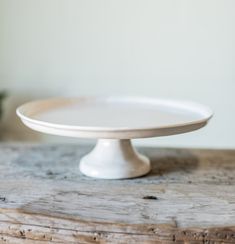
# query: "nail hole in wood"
2, 199
150, 198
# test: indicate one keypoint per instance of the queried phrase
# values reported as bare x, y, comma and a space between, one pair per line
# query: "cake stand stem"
114, 159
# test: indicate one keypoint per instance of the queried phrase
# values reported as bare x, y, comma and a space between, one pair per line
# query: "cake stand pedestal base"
114, 159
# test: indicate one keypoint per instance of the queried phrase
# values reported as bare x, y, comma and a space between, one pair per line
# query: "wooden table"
189, 197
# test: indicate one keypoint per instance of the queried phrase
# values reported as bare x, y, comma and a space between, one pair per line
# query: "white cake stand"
114, 121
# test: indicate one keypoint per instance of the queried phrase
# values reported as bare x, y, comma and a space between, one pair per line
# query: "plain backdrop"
180, 49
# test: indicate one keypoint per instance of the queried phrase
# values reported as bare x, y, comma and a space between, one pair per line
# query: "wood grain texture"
189, 197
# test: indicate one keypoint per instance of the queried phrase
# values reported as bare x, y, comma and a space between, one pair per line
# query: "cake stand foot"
114, 159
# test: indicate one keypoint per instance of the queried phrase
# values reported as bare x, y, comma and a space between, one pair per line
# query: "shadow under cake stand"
114, 121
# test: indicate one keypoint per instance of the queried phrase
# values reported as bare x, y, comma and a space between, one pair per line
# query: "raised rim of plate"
204, 110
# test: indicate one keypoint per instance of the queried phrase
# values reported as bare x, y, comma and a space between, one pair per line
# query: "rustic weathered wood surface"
189, 196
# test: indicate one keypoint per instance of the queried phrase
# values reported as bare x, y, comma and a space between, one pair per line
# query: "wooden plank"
189, 196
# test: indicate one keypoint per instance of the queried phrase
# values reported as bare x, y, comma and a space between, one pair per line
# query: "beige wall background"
180, 49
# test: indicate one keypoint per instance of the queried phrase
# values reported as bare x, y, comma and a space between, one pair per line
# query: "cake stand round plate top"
114, 121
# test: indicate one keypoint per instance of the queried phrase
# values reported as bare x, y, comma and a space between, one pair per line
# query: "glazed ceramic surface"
115, 120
